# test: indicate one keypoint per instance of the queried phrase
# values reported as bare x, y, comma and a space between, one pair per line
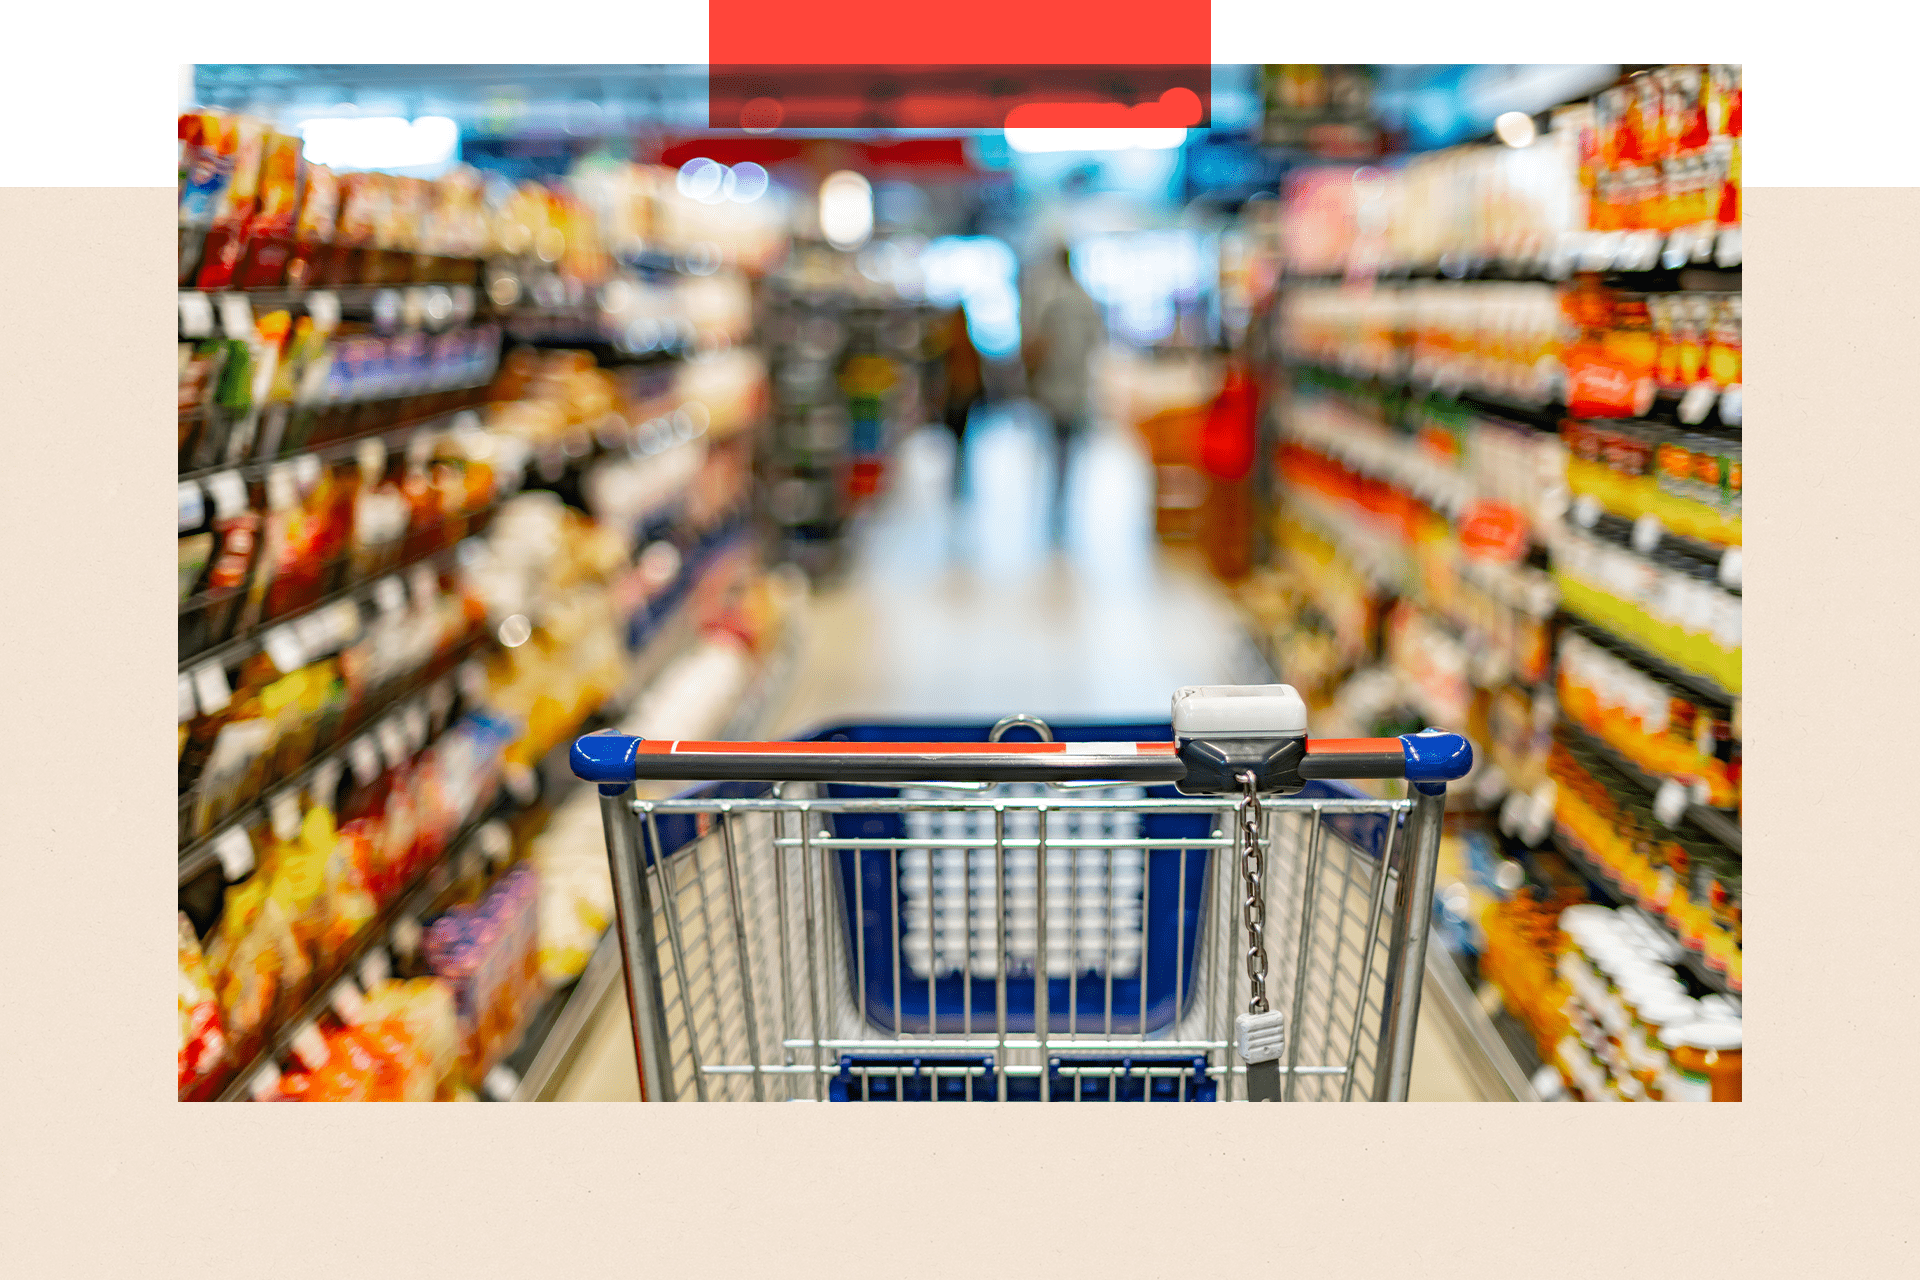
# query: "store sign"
877, 65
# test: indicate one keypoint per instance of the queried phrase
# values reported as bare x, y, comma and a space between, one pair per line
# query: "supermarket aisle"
966, 611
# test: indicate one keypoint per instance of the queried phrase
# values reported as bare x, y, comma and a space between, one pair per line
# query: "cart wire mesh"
792, 958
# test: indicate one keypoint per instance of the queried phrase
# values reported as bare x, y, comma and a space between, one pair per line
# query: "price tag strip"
375, 968
347, 1003
234, 849
266, 1083
310, 1047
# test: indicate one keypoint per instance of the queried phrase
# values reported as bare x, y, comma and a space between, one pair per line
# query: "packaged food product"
203, 1043
243, 139
1706, 1060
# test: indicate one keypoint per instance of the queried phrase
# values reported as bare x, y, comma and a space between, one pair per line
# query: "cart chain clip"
1261, 1031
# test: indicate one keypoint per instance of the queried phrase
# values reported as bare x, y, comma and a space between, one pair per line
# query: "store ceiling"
580, 99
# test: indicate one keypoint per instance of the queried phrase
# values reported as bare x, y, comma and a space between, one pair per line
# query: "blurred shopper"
960, 367
1229, 441
1061, 330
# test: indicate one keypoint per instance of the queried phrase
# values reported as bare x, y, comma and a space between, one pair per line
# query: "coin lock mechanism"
1223, 732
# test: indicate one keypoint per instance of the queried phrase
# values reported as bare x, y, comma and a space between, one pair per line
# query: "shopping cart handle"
1429, 760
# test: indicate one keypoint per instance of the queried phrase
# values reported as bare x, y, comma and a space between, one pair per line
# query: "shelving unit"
1571, 849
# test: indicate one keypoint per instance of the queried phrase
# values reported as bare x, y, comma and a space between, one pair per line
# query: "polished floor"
977, 605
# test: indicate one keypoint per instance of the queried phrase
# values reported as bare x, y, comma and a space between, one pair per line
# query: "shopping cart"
940, 913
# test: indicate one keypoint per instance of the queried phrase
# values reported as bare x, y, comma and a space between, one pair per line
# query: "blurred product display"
466, 468
1505, 439
563, 430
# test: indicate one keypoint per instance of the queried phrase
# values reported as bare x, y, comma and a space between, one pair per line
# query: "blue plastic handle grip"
1435, 758
607, 757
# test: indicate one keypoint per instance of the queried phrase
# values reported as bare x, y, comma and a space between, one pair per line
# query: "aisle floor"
967, 609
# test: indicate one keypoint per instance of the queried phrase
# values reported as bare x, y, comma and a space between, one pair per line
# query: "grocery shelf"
341, 449
1645, 256
416, 900
552, 1039
229, 652
199, 855
1540, 416
1618, 529
388, 302
1571, 849
1713, 822
1705, 686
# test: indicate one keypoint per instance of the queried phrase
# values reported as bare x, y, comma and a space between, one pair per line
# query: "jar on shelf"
1706, 1060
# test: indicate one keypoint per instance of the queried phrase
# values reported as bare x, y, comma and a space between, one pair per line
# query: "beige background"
101, 1172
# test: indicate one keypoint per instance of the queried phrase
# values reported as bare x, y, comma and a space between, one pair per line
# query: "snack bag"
203, 1043
245, 969
269, 235
313, 230
221, 256
299, 880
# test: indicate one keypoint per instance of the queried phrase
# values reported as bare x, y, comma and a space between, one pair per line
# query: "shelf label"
347, 1003
234, 849
284, 648
1730, 405
1670, 803
389, 594
188, 706
229, 493
266, 1082
386, 308
284, 813
193, 507
405, 937
415, 717
1730, 568
500, 1083
310, 1047
323, 308
1586, 511
325, 784
393, 745
364, 759
375, 969
196, 315
236, 316
1697, 403
210, 685
1647, 532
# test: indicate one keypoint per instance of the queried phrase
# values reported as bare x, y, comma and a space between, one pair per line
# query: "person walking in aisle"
960, 366
1060, 332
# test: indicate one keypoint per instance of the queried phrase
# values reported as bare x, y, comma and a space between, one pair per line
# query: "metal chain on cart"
1253, 867
1260, 1031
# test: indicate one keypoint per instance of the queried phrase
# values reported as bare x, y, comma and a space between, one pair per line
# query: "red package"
221, 256
269, 238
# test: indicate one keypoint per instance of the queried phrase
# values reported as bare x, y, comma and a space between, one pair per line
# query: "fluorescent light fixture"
846, 209
702, 179
746, 182
379, 142
1041, 140
1515, 128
